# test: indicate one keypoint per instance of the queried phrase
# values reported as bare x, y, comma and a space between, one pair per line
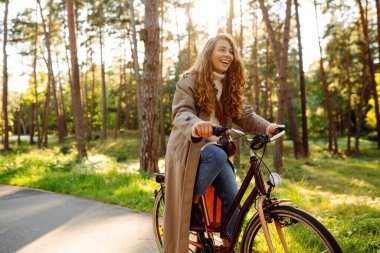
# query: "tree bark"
104, 91
161, 90
120, 91
51, 81
328, 99
19, 115
76, 96
305, 141
368, 55
230, 17
255, 68
149, 134
5, 78
135, 61
285, 99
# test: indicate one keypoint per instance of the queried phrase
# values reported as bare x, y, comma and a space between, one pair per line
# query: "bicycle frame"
259, 190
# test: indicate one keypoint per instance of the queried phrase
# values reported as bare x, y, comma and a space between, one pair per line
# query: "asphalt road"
39, 221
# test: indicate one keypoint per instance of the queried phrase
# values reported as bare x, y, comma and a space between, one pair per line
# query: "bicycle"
275, 227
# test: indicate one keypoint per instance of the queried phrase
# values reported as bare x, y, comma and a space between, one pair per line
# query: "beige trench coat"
182, 157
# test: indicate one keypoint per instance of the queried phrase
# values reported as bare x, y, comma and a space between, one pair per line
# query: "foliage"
341, 191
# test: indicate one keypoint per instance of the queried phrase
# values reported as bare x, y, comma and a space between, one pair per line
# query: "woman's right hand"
203, 129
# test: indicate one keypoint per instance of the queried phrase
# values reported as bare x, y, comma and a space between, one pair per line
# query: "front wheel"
301, 233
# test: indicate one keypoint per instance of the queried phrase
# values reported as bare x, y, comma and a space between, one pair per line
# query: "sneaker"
196, 222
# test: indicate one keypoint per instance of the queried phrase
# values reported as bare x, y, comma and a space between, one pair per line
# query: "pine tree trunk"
92, 107
135, 62
62, 103
5, 78
47, 32
120, 91
127, 100
284, 97
305, 141
37, 111
360, 108
76, 96
255, 68
230, 17
149, 134
328, 98
161, 90
19, 115
104, 92
189, 36
368, 55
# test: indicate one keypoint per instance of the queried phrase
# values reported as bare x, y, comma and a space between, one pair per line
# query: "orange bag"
214, 206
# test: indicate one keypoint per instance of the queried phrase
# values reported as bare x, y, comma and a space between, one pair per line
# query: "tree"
305, 142
230, 17
75, 92
5, 78
368, 54
285, 99
149, 135
328, 99
51, 81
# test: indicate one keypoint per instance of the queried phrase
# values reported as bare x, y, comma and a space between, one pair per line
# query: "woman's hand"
272, 129
203, 129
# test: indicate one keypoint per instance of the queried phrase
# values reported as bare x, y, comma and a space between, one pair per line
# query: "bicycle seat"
160, 178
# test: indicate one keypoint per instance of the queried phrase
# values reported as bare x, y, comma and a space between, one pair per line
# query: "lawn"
341, 191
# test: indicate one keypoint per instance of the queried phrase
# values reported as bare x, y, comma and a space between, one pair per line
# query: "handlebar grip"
280, 128
218, 130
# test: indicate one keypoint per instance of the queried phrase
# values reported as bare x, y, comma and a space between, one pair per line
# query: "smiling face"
222, 56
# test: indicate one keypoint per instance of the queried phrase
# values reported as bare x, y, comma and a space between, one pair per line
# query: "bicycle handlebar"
256, 142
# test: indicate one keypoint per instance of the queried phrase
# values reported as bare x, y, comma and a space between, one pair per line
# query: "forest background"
102, 78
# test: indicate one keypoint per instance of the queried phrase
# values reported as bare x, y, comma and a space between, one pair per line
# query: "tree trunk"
19, 115
266, 94
104, 91
135, 61
285, 99
120, 91
328, 98
368, 55
305, 141
51, 82
189, 36
230, 17
76, 96
161, 90
360, 109
149, 135
255, 68
127, 99
62, 104
92, 107
5, 78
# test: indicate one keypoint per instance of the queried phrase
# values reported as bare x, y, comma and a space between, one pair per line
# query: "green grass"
340, 191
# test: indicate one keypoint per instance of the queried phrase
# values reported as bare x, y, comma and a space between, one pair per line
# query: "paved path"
39, 221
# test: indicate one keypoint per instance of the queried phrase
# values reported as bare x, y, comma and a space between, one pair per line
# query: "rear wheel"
302, 233
158, 225
158, 220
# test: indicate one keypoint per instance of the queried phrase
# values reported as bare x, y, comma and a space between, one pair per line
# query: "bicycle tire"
302, 232
158, 211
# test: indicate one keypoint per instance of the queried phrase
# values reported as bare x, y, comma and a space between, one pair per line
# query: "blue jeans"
215, 169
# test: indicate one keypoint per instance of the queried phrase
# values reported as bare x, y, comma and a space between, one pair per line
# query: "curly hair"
234, 81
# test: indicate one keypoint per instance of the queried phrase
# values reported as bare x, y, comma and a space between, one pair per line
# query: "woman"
216, 80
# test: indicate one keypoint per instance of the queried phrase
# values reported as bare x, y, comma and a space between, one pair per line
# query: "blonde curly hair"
232, 96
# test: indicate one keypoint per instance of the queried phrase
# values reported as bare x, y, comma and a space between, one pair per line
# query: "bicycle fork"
264, 226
